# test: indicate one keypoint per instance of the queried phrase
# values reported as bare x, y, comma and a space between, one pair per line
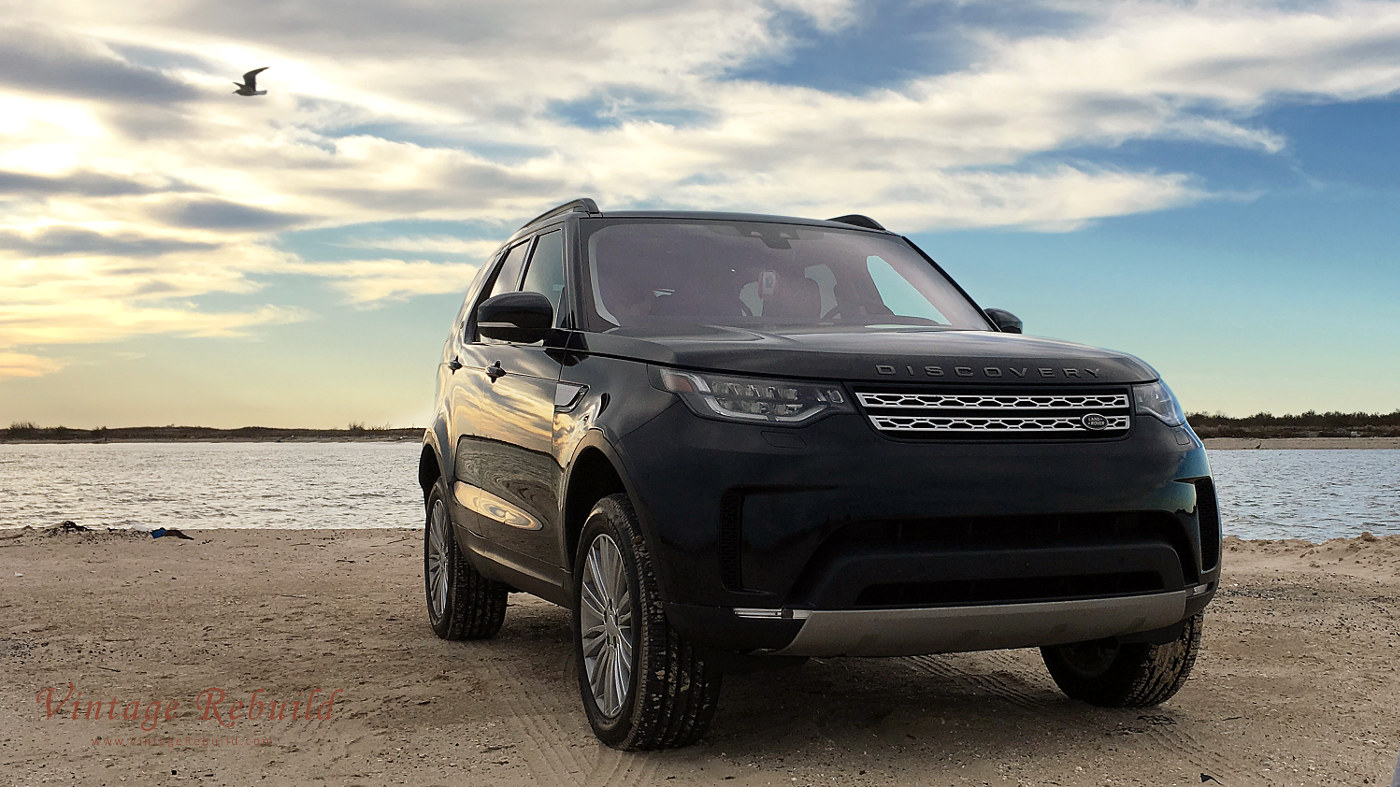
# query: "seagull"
249, 85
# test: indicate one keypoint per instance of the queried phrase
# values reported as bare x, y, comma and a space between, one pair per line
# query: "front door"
506, 472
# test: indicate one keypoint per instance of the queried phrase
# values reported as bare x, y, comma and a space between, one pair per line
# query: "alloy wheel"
437, 559
605, 615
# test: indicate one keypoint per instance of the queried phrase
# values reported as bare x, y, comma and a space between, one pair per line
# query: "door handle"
454, 364
495, 372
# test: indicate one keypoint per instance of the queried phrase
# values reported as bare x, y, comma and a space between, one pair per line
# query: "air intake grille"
920, 414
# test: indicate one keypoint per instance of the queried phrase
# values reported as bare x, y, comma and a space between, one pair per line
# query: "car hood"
843, 353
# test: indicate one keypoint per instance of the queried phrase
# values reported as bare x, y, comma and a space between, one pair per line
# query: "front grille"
999, 559
921, 414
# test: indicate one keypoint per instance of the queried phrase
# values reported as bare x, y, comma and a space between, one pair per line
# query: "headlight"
756, 400
1156, 399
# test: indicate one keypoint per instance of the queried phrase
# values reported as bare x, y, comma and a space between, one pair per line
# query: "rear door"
505, 466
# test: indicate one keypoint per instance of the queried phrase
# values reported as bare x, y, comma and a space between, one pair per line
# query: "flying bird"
249, 85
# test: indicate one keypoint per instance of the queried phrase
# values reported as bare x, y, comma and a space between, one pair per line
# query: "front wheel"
644, 686
462, 604
1115, 674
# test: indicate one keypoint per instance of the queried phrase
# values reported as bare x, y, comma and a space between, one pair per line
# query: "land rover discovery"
725, 438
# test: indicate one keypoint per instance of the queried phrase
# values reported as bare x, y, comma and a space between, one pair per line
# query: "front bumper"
852, 542
915, 631
911, 631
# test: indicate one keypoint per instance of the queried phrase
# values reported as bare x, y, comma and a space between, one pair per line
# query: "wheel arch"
430, 466
593, 475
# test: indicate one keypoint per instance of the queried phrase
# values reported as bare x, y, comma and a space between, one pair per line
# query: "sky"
1211, 186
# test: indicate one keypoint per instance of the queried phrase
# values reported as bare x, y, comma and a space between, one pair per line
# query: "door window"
546, 272
506, 277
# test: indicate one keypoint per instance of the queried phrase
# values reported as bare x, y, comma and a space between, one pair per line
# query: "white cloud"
85, 296
86, 321
371, 282
428, 244
24, 365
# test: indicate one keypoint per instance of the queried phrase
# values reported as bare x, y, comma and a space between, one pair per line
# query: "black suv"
724, 439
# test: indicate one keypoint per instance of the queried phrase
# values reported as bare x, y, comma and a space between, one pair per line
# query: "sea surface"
1308, 494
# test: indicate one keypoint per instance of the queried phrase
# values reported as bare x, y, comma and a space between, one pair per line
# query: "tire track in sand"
942, 667
542, 741
1163, 730
621, 769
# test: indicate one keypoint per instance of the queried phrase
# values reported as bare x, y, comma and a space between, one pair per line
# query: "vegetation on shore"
1309, 424
1260, 425
27, 432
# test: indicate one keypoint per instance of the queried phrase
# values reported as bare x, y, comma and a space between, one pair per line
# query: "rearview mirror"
521, 317
1005, 321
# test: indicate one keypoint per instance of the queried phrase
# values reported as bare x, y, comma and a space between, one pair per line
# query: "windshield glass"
645, 272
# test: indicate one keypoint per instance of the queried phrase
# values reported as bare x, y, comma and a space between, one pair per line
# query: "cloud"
213, 214
88, 184
41, 60
433, 244
24, 365
69, 241
371, 282
87, 321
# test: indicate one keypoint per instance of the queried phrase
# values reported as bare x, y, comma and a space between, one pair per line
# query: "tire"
1124, 675
462, 604
664, 696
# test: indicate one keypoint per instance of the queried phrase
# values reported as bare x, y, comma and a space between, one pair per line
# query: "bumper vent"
1208, 516
731, 513
920, 414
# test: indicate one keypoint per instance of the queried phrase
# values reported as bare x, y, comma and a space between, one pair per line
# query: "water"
207, 485
1309, 494
1314, 495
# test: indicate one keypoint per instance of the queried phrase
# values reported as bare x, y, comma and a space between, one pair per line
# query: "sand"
1297, 683
1327, 443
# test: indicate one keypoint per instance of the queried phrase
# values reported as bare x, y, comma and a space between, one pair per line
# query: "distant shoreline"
1300, 443
204, 434
258, 434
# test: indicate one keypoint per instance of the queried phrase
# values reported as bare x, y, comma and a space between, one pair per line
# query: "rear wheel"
1115, 674
462, 604
644, 686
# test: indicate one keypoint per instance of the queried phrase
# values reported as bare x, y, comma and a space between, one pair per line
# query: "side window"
546, 272
899, 295
510, 271
506, 277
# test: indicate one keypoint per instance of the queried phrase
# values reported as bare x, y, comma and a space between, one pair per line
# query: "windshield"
644, 272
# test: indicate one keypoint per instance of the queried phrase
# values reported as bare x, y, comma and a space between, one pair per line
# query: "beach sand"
1297, 683
1327, 443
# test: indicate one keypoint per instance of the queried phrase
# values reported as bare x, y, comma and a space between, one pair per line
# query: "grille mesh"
922, 414
995, 401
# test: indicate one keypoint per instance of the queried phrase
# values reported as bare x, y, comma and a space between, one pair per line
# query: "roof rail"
581, 204
859, 221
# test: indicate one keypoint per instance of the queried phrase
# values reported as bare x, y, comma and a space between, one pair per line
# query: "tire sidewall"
603, 520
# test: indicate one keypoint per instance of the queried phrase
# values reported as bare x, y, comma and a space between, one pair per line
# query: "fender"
596, 438
435, 437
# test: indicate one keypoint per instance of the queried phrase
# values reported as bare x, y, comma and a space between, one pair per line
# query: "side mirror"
521, 317
1005, 321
